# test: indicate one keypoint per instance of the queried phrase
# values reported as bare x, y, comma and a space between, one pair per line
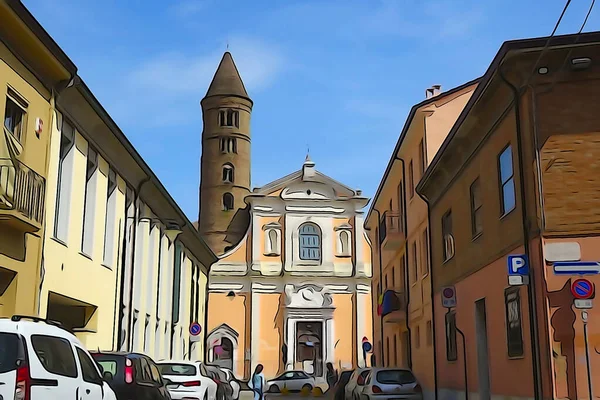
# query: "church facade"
291, 289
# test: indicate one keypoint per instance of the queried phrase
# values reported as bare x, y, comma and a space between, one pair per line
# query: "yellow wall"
67, 270
271, 332
22, 295
344, 329
224, 310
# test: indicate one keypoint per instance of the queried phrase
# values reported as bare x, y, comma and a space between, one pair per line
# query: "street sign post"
366, 347
577, 268
448, 297
518, 270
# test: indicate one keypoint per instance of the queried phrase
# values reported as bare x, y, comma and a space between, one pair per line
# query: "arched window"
272, 242
310, 242
344, 239
227, 201
228, 173
228, 145
229, 118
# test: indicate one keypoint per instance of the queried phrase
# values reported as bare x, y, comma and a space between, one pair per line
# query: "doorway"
483, 367
309, 349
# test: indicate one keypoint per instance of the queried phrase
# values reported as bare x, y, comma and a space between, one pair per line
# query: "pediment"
318, 187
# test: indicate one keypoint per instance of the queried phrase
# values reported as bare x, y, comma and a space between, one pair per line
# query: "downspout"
533, 317
136, 209
432, 293
406, 266
429, 264
378, 238
54, 93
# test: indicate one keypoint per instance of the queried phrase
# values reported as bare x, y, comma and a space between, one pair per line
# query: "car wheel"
307, 387
274, 389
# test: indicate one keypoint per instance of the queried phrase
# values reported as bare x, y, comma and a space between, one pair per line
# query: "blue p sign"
518, 265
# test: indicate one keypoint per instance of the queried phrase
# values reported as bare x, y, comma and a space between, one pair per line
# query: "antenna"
228, 45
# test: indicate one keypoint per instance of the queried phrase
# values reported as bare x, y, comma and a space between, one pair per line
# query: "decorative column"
291, 344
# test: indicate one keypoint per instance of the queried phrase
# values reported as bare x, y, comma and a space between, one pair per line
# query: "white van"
42, 361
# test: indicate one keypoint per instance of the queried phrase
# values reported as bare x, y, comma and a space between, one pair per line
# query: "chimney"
433, 91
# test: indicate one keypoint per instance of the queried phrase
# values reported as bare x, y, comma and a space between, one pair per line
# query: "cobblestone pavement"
247, 395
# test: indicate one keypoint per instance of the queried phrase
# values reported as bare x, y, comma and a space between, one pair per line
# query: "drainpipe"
533, 317
54, 94
432, 293
378, 238
406, 266
136, 196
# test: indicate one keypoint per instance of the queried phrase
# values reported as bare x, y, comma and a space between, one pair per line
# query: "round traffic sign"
195, 329
448, 293
367, 346
582, 289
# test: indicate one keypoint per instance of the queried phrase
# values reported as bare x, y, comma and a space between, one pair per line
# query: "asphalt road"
247, 395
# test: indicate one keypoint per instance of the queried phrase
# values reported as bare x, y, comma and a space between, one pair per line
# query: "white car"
190, 380
355, 383
40, 360
390, 384
292, 381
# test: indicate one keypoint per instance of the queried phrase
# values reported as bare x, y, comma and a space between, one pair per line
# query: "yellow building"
398, 225
296, 287
33, 70
107, 212
291, 289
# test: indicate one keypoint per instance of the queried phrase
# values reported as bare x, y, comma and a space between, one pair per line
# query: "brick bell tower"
225, 161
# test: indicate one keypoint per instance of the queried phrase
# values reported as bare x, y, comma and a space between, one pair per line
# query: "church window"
272, 242
228, 173
228, 145
229, 118
343, 243
227, 201
310, 242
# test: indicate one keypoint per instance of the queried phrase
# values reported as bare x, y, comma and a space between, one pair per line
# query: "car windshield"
177, 369
345, 376
108, 366
395, 377
11, 350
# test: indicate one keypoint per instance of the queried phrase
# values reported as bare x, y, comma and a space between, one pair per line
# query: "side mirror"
167, 381
107, 376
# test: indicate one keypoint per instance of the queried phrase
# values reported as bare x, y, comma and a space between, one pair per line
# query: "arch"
228, 173
227, 201
310, 242
344, 239
222, 347
272, 241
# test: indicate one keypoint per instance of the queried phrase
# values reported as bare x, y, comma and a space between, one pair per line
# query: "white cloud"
176, 73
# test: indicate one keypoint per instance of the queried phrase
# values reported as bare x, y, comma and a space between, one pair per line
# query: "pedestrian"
331, 376
257, 383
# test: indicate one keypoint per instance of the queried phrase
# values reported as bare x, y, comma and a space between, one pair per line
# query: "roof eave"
405, 128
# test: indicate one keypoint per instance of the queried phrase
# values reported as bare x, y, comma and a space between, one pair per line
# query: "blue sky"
337, 75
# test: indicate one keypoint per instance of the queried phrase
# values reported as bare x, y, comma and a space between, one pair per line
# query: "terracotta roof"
227, 80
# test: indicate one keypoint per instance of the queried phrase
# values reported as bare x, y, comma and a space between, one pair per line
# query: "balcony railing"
22, 197
391, 232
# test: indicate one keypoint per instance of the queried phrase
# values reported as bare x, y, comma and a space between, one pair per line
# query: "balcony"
391, 231
22, 196
393, 307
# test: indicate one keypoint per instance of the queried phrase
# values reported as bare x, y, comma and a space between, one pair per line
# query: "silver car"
391, 384
292, 381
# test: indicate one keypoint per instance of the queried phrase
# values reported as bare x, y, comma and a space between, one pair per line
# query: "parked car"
132, 375
355, 383
235, 385
224, 388
190, 380
292, 380
340, 385
41, 360
391, 383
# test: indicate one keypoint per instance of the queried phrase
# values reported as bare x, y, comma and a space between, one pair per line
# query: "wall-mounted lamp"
231, 295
